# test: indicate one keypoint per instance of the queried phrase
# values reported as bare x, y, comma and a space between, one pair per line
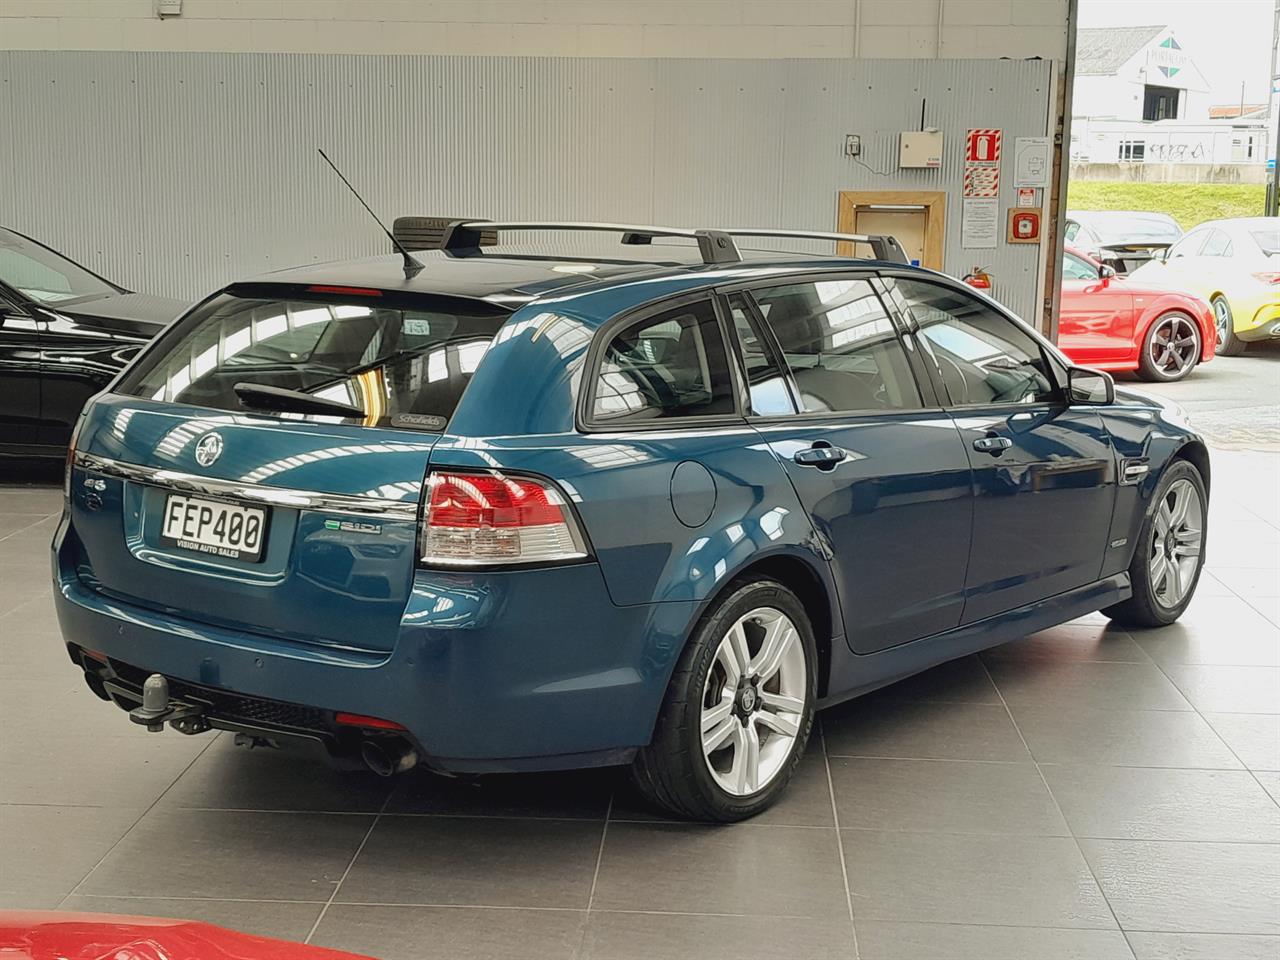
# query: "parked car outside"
1122, 239
65, 333
519, 511
1120, 323
1235, 265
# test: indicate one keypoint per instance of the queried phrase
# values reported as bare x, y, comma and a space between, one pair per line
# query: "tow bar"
157, 709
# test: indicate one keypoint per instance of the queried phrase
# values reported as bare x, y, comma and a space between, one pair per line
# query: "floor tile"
880, 940
944, 795
573, 795
45, 500
1086, 686
1203, 946
1105, 643
283, 921
1254, 737
1250, 581
1189, 887
743, 869
958, 681
11, 523
476, 861
1270, 780
916, 730
807, 802
1245, 637
228, 777
447, 933
1141, 803
1149, 738
949, 878
1228, 689
638, 936
227, 854
45, 850
94, 771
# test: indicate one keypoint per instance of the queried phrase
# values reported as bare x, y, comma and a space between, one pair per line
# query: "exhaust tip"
388, 757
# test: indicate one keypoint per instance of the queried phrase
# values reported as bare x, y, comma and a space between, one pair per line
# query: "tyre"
1171, 348
738, 710
1229, 345
1170, 553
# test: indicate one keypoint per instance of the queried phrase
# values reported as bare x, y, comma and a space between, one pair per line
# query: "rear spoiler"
1137, 246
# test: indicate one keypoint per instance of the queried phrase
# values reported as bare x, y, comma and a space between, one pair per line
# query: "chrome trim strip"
271, 496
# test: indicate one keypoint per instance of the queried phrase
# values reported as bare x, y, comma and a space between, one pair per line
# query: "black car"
65, 332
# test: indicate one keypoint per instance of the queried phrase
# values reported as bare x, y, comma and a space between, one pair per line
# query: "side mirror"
1106, 272
1090, 386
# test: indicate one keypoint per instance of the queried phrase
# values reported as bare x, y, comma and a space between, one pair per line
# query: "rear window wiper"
264, 397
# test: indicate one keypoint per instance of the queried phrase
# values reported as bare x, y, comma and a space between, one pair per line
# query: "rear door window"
404, 362
668, 366
840, 345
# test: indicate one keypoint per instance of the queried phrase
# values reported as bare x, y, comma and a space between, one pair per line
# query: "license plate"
212, 527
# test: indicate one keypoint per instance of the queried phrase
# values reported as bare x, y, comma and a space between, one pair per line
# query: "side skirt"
853, 675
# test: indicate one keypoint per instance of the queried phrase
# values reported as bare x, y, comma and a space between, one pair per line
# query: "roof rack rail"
716, 246
883, 246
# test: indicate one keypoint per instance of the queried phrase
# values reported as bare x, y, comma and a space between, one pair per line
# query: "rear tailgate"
332, 561
259, 467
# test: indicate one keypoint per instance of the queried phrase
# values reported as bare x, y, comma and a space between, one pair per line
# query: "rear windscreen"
400, 362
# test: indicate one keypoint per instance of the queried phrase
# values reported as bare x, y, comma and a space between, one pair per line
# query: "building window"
1135, 150
1159, 103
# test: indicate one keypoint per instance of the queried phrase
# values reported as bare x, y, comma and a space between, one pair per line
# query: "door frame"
934, 203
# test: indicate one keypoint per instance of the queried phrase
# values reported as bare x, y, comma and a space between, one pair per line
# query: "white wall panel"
176, 173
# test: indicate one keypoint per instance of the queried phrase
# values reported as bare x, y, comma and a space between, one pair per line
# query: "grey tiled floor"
1084, 793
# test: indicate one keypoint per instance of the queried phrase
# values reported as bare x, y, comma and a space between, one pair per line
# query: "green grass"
1188, 203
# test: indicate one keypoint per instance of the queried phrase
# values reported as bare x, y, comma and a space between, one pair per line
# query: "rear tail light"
71, 454
1268, 277
492, 518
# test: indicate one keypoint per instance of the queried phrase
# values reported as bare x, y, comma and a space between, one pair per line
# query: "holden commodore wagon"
515, 509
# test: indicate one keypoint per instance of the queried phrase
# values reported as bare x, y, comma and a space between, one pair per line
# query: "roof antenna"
412, 267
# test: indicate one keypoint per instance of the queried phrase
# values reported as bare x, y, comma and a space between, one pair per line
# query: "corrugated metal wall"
174, 173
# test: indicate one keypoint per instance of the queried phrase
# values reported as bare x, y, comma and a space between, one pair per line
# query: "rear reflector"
484, 519
365, 723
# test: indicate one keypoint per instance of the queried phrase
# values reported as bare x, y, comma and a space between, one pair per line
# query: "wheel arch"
1197, 454
802, 577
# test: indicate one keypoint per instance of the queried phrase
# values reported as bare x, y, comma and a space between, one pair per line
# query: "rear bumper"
1265, 324
533, 669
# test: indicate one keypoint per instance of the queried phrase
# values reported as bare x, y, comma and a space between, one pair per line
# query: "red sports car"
1115, 323
45, 935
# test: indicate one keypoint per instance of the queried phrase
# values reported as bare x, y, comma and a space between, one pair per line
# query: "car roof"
516, 276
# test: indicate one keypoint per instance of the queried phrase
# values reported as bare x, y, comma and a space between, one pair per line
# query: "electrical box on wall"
920, 149
168, 8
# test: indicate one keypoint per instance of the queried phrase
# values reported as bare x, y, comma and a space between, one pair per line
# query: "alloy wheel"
1221, 319
1176, 540
753, 701
1174, 346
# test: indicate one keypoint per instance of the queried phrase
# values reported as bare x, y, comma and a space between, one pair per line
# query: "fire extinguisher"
979, 279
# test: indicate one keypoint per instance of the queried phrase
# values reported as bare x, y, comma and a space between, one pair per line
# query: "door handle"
822, 457
992, 445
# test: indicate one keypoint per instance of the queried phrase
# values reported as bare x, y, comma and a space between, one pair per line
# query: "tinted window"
665, 366
1189, 245
1073, 268
1268, 240
983, 357
44, 276
768, 385
1218, 245
387, 361
842, 348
